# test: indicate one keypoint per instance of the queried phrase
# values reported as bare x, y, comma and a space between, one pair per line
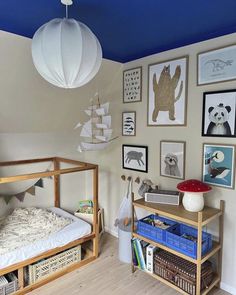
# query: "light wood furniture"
94, 236
198, 220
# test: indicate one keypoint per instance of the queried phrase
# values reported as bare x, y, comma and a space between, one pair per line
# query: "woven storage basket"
180, 272
9, 284
42, 269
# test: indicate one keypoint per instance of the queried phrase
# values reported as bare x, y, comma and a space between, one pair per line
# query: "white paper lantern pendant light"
65, 52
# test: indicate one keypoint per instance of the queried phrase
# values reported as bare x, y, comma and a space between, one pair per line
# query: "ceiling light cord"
67, 3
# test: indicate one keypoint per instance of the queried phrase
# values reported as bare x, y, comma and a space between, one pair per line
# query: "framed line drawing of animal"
135, 157
216, 65
167, 92
172, 159
129, 123
219, 113
218, 165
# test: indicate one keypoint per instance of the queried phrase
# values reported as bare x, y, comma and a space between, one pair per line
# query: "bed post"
95, 213
56, 184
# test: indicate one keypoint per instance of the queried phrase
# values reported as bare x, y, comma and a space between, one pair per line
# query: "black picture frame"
222, 104
137, 162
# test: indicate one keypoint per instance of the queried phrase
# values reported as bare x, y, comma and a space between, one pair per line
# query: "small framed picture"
129, 123
167, 92
218, 65
172, 161
135, 157
132, 85
218, 165
219, 113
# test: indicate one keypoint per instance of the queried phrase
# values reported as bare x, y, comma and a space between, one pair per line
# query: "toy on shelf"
193, 190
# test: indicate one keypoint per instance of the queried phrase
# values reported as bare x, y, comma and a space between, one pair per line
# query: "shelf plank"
179, 213
215, 281
164, 248
215, 248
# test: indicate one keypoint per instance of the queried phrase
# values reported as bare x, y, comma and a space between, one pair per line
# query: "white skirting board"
223, 286
228, 288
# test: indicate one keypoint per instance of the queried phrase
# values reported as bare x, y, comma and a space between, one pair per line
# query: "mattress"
77, 229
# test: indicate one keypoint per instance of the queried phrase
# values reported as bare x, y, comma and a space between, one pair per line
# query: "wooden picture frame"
129, 123
219, 113
167, 106
135, 157
218, 165
132, 85
216, 65
172, 159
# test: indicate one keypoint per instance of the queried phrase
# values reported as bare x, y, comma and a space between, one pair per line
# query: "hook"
137, 180
129, 178
123, 177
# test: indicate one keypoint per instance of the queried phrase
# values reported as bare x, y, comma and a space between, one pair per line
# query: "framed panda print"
218, 115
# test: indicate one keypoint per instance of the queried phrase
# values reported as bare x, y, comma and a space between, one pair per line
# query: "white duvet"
28, 225
73, 231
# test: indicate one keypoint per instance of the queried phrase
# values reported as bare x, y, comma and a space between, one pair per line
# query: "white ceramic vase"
193, 202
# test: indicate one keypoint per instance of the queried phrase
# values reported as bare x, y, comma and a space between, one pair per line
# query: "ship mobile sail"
97, 130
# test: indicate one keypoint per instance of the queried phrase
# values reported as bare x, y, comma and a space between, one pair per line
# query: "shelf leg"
221, 232
132, 230
199, 253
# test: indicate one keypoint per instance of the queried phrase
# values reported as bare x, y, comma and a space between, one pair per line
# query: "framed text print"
132, 85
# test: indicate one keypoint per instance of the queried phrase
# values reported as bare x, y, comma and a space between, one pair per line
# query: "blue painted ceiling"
129, 29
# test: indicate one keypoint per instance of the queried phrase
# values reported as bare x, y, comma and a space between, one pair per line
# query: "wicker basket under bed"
46, 267
8, 284
180, 272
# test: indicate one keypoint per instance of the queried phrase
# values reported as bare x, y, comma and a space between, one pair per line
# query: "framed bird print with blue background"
218, 165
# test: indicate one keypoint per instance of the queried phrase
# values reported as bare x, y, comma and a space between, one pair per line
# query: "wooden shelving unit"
198, 220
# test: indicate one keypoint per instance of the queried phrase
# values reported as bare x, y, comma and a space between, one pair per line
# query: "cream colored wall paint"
151, 136
29, 105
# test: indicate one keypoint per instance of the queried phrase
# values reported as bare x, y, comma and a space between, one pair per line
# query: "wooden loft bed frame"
94, 236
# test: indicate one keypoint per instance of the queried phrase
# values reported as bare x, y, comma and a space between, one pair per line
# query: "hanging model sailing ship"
97, 129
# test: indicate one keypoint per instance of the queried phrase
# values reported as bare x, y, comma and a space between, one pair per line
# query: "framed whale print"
167, 92
129, 123
135, 157
218, 165
218, 65
219, 114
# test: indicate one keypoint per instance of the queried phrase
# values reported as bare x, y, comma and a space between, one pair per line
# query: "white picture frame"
167, 92
129, 123
172, 159
217, 65
132, 85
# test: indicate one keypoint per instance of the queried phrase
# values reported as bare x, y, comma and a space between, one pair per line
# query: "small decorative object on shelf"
193, 190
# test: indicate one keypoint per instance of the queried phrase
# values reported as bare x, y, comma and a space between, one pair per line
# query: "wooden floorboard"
107, 275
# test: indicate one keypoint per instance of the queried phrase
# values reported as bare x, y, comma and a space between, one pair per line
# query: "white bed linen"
71, 232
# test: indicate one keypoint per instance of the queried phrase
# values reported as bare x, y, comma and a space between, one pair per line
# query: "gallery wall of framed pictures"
166, 100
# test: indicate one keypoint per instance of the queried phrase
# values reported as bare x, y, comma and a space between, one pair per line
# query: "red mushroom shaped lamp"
193, 190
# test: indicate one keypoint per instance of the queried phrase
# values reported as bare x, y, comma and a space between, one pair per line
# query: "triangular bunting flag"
39, 183
31, 190
7, 199
20, 196
49, 177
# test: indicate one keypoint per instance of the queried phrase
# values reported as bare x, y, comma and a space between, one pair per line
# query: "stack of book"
142, 253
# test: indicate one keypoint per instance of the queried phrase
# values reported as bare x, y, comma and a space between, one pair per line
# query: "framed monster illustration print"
167, 92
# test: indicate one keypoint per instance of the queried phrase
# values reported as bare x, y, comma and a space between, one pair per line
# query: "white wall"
38, 119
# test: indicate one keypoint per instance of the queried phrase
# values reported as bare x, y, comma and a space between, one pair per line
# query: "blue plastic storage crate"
151, 232
176, 241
